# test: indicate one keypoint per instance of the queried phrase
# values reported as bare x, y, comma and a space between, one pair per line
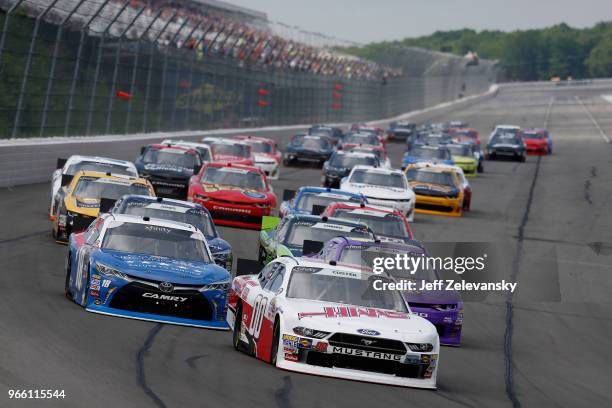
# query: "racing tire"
261, 256
67, 291
274, 345
86, 290
238, 345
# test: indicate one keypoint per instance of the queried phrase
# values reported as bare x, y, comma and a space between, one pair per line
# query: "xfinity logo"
164, 297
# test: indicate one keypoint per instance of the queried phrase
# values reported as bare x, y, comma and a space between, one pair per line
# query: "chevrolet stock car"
443, 308
266, 154
341, 163
424, 153
463, 182
178, 211
168, 167
147, 269
384, 187
66, 168
287, 237
353, 138
203, 149
235, 195
438, 189
77, 204
230, 151
313, 200
379, 151
506, 141
464, 156
401, 130
536, 141
307, 316
389, 225
312, 148
334, 133
465, 135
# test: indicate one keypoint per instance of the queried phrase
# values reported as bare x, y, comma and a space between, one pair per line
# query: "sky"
366, 21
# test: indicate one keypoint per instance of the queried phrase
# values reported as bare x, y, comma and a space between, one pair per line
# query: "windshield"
360, 138
175, 157
388, 225
198, 218
156, 240
378, 179
89, 187
236, 177
375, 152
460, 150
352, 288
428, 153
424, 176
364, 256
533, 135
349, 161
506, 138
311, 142
237, 150
323, 232
101, 167
258, 146
308, 200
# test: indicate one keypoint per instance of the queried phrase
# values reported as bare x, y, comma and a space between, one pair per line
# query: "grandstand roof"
232, 8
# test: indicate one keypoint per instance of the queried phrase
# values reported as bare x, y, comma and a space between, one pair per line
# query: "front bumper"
235, 214
270, 168
451, 207
537, 150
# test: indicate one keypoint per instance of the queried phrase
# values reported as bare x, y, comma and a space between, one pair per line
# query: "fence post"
135, 69
193, 62
111, 96
26, 71
7, 17
149, 72
94, 88
58, 39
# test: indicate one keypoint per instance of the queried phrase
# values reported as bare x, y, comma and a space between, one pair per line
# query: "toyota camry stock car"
235, 195
66, 168
311, 148
311, 317
265, 153
148, 269
77, 204
313, 200
443, 308
180, 211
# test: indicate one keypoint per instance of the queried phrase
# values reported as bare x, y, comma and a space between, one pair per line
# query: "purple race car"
443, 308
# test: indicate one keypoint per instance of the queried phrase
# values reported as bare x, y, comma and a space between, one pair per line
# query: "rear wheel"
237, 328
67, 291
274, 346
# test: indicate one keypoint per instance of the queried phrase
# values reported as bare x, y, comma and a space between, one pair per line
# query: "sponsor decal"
157, 228
108, 294
291, 357
412, 359
448, 319
321, 347
94, 284
229, 209
305, 344
106, 283
353, 311
368, 354
164, 297
94, 293
368, 332
254, 194
290, 337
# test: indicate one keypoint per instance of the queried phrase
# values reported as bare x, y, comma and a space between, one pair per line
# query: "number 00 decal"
259, 308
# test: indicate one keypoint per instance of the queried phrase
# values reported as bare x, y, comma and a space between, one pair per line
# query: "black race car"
508, 143
341, 163
401, 130
334, 133
313, 148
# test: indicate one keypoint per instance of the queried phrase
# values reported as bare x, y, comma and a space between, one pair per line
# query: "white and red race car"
309, 316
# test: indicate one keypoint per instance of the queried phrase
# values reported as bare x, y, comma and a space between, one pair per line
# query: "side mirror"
60, 163
247, 267
66, 179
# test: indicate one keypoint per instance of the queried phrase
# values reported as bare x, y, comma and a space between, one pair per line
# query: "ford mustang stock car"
438, 189
179, 211
78, 202
423, 153
66, 168
389, 225
230, 151
148, 269
342, 162
506, 141
266, 154
312, 148
315, 318
287, 237
235, 195
443, 308
168, 167
385, 187
313, 200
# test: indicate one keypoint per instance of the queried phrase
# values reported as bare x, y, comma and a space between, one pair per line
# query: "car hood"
378, 191
535, 142
336, 317
464, 159
503, 145
237, 194
299, 149
264, 157
161, 268
169, 170
426, 187
227, 158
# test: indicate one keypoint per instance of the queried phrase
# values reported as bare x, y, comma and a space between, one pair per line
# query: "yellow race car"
464, 157
79, 200
437, 188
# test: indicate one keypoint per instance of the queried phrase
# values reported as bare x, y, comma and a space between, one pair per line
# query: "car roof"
185, 143
372, 169
162, 200
351, 153
235, 166
135, 219
106, 160
104, 175
370, 207
314, 189
331, 220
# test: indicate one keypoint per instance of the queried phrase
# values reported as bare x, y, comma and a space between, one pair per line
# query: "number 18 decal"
259, 308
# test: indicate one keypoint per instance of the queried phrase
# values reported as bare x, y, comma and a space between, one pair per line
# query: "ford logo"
368, 332
166, 287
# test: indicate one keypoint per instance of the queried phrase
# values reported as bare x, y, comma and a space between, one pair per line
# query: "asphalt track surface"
547, 345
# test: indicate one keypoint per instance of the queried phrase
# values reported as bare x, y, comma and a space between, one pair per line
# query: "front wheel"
67, 291
274, 346
522, 159
237, 328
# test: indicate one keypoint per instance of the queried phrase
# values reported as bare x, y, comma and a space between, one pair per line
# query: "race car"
464, 135
506, 142
373, 130
443, 308
433, 139
438, 189
334, 133
385, 187
77, 203
203, 149
313, 200
464, 156
71, 166
311, 148
353, 138
379, 151
266, 154
179, 211
147, 269
401, 130
536, 141
311, 317
235, 195
168, 167
287, 236
389, 225
340, 164
431, 154
230, 151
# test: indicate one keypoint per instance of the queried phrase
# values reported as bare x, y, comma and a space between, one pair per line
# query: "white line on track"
590, 115
548, 112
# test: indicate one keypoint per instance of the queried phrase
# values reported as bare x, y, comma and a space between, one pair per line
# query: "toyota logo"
166, 287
